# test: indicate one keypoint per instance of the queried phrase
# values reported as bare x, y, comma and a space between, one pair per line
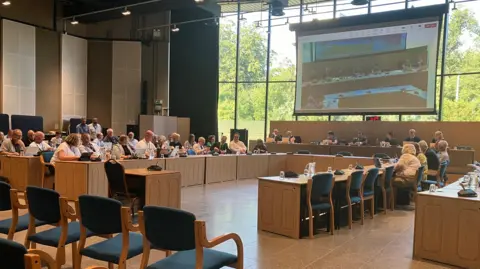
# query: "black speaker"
135, 129
243, 135
143, 99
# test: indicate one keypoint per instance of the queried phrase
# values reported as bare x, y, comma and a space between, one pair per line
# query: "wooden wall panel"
192, 169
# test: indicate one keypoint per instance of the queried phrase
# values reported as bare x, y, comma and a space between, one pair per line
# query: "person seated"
390, 139
14, 145
442, 154
433, 161
110, 138
360, 139
68, 150
146, 143
122, 150
223, 145
291, 138
236, 146
57, 139
9, 133
406, 168
30, 137
2, 137
212, 145
276, 136
412, 136
164, 145
86, 145
190, 142
94, 128
175, 142
39, 143
260, 147
132, 141
421, 147
99, 140
199, 147
437, 137
82, 127
331, 138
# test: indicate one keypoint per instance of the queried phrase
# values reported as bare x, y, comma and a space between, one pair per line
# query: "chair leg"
394, 194
60, 257
362, 211
350, 217
332, 220
392, 200
74, 255
78, 261
372, 207
310, 224
110, 265
384, 202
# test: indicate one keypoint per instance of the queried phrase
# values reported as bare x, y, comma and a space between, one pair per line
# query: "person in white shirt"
68, 150
236, 145
94, 128
39, 143
199, 147
56, 140
2, 137
99, 140
132, 142
87, 146
146, 142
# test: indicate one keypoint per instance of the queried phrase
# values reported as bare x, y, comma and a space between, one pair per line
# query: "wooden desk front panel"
277, 163
163, 190
461, 158
133, 164
284, 148
446, 230
4, 166
192, 169
297, 163
252, 166
71, 179
279, 208
25, 171
221, 168
322, 162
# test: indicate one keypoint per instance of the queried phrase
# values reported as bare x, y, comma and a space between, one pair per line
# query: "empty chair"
344, 153
303, 151
172, 229
381, 156
106, 217
368, 191
47, 206
117, 185
47, 167
436, 177
387, 188
354, 188
14, 255
319, 199
9, 200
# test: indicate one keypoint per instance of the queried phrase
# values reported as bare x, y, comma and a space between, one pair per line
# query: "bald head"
16, 135
149, 136
38, 137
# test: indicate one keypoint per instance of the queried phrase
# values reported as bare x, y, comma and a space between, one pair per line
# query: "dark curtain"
194, 70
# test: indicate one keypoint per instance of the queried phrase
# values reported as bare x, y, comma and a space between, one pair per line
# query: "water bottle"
312, 169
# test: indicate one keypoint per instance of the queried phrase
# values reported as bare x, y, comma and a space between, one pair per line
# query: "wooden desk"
252, 166
162, 188
220, 168
192, 169
21, 171
277, 163
446, 228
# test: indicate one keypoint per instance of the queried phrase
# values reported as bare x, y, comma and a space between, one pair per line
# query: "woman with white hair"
443, 156
406, 167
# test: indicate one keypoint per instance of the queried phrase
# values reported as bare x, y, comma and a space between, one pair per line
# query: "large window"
251, 109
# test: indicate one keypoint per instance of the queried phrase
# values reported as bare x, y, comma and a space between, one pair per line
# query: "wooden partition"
456, 133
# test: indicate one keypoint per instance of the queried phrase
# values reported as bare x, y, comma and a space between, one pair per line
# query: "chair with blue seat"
387, 187
435, 177
170, 229
353, 189
47, 206
319, 199
14, 255
105, 217
47, 167
419, 178
9, 200
368, 192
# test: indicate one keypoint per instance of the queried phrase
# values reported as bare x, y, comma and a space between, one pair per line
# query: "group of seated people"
275, 136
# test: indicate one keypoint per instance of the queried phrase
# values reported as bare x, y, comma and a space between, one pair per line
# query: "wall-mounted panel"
126, 83
74, 77
18, 47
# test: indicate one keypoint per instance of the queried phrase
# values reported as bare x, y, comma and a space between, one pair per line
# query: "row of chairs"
159, 228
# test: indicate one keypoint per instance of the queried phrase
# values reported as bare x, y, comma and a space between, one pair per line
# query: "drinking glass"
433, 188
329, 169
350, 167
282, 174
305, 172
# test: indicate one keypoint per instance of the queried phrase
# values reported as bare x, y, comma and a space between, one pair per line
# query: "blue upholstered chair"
14, 255
9, 200
354, 187
319, 199
368, 192
46, 205
435, 177
387, 187
47, 167
106, 217
172, 229
419, 177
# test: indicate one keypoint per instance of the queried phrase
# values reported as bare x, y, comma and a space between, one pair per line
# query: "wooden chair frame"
16, 205
125, 186
66, 213
45, 166
437, 174
127, 226
349, 201
201, 242
363, 199
33, 260
384, 192
310, 210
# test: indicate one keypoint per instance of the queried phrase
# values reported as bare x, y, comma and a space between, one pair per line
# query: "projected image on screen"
378, 69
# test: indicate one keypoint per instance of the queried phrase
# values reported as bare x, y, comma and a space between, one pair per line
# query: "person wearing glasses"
14, 145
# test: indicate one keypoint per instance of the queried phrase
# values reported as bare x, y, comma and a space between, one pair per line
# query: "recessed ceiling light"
6, 3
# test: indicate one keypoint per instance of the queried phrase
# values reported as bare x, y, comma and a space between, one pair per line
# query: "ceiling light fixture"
126, 12
454, 6
242, 18
198, 1
74, 22
175, 28
6, 3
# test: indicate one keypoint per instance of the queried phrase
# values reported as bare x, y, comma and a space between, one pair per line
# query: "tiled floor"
384, 242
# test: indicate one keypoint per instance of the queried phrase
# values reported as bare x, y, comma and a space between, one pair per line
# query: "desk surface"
144, 172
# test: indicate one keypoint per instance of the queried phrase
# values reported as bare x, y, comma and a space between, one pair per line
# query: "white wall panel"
126, 84
18, 47
74, 77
